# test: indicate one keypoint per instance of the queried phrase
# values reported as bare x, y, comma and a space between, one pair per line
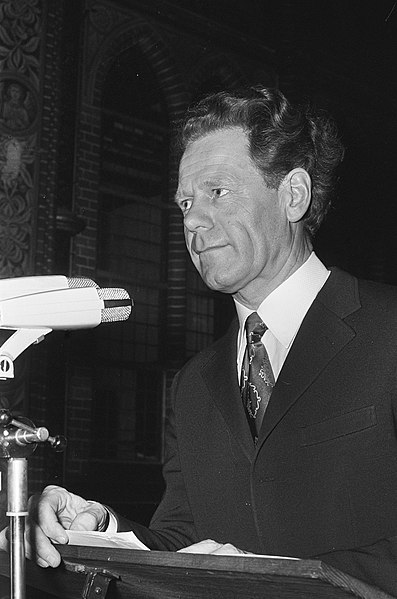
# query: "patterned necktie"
257, 378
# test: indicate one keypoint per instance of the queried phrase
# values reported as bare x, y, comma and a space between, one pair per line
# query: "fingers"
43, 526
92, 518
50, 513
212, 547
207, 546
39, 548
43, 511
229, 549
57, 509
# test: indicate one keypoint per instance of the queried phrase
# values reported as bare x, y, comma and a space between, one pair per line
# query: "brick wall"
61, 162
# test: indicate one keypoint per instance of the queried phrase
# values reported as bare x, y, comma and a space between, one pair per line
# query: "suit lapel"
220, 376
321, 336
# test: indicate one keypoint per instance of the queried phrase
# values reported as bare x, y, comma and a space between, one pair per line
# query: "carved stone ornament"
20, 29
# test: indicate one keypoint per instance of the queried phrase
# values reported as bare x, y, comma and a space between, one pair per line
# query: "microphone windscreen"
77, 282
117, 304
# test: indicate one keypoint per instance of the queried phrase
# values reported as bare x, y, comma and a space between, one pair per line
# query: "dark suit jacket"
322, 480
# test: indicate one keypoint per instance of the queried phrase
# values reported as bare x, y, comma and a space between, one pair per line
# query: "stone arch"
141, 33
106, 45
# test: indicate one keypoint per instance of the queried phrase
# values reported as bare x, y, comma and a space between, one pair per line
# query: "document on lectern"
128, 540
116, 540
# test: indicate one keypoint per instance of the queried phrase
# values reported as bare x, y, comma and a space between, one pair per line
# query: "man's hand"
50, 513
210, 546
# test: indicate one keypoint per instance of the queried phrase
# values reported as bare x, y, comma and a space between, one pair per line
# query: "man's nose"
198, 216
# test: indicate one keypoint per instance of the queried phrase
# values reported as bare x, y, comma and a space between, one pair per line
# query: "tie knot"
254, 328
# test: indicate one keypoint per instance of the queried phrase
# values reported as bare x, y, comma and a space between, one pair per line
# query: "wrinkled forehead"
222, 149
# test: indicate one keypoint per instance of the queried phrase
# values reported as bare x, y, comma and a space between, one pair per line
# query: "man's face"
236, 229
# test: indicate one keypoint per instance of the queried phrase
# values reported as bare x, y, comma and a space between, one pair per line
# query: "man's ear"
296, 188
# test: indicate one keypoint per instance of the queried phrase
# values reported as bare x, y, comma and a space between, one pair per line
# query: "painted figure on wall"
15, 113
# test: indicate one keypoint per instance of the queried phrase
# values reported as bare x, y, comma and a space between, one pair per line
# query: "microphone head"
117, 304
59, 302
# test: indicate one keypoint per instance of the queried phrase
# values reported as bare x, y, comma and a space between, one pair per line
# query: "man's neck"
254, 293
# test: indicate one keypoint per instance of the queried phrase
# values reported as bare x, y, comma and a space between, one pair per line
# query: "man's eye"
184, 205
219, 192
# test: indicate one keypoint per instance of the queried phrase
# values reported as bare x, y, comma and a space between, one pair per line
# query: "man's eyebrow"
178, 196
212, 182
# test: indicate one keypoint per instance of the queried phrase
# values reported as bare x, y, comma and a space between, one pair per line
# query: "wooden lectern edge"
81, 559
305, 568
238, 563
352, 584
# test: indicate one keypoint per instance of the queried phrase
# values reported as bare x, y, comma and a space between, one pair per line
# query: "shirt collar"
285, 308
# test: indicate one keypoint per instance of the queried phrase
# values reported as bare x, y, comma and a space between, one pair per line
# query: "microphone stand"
21, 299
18, 440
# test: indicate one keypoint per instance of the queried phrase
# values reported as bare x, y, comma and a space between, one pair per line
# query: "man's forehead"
221, 138
216, 148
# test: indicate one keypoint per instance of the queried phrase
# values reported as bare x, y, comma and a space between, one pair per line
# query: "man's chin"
223, 286
220, 279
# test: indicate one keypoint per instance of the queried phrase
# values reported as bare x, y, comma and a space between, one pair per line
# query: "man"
318, 476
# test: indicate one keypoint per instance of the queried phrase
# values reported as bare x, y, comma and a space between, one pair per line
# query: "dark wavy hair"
281, 137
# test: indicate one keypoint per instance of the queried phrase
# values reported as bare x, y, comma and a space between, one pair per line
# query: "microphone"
35, 306
58, 302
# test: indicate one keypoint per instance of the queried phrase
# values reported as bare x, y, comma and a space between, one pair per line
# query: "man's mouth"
205, 249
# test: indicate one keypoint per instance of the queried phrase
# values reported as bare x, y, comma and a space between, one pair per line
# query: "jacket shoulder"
344, 293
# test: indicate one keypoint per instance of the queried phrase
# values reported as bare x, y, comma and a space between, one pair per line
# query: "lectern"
99, 573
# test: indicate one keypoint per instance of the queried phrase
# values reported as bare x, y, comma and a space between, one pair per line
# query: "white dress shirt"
283, 312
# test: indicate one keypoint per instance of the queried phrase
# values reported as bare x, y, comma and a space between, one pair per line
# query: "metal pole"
17, 441
17, 484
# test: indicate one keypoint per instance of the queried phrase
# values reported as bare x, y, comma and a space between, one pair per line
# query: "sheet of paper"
234, 554
128, 540
267, 556
120, 540
211, 547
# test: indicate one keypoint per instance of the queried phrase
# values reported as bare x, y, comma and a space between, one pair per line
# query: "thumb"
206, 546
92, 518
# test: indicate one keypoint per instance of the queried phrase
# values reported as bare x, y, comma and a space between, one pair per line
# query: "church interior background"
91, 92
